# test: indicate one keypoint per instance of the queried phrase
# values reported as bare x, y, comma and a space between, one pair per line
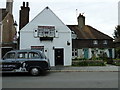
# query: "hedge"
88, 63
116, 62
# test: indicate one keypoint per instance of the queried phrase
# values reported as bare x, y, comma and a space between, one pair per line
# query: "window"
95, 42
105, 42
22, 55
74, 36
10, 55
37, 48
74, 52
33, 55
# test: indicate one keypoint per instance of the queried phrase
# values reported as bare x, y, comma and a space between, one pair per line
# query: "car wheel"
34, 71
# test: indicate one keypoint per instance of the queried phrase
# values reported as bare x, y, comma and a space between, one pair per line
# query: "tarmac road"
62, 80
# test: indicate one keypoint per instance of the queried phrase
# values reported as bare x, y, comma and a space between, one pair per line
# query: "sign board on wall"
46, 31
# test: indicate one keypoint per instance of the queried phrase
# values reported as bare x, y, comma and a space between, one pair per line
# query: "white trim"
1, 28
6, 47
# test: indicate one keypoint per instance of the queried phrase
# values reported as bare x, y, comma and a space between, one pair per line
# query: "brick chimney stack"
9, 6
24, 15
81, 21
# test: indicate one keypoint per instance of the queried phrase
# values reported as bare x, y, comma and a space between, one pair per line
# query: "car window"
22, 55
33, 55
10, 55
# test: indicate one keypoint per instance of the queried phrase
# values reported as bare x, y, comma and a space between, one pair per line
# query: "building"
7, 29
117, 39
88, 41
48, 33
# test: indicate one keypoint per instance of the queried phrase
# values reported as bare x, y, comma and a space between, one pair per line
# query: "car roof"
26, 50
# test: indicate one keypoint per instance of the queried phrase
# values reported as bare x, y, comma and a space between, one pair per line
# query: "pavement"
107, 68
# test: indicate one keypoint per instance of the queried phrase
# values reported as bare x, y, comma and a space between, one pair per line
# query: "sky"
100, 14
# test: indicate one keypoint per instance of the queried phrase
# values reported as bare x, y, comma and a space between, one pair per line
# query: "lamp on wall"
68, 43
53, 47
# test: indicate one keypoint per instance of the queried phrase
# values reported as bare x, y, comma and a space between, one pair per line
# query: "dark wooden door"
59, 56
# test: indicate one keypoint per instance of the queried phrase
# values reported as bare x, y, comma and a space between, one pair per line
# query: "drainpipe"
1, 30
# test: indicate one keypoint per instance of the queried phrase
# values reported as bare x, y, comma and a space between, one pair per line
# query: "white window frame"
95, 42
74, 52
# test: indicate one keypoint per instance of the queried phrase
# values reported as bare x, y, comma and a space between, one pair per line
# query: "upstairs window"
105, 42
95, 42
74, 36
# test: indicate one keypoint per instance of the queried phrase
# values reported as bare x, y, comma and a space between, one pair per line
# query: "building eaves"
88, 32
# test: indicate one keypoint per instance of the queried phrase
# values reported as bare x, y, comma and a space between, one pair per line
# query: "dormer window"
74, 36
95, 42
105, 42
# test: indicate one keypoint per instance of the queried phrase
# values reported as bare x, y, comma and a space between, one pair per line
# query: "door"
59, 56
9, 62
86, 53
110, 53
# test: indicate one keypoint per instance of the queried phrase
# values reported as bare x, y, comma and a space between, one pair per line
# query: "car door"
9, 62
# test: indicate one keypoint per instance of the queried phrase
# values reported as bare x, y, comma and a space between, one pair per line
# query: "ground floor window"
37, 48
75, 52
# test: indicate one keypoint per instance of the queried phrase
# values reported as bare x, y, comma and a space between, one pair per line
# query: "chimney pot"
9, 6
23, 4
27, 4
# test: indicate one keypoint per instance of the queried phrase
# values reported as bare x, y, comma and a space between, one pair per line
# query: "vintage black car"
32, 61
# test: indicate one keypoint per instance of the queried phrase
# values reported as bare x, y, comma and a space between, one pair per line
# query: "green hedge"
116, 62
88, 63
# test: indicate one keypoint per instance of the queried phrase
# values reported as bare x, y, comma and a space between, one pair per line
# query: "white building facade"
49, 34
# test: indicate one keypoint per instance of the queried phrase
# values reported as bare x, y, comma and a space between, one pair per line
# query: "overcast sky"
100, 14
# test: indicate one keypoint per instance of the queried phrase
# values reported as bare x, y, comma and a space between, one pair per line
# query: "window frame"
95, 42
34, 58
25, 57
105, 42
6, 58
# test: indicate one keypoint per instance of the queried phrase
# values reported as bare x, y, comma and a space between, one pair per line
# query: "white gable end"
46, 17
48, 33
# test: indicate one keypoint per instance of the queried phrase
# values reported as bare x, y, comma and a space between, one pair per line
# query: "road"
62, 80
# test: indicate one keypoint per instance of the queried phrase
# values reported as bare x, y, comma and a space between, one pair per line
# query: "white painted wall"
46, 18
119, 13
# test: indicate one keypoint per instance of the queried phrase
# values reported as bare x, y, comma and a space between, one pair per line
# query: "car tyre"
34, 71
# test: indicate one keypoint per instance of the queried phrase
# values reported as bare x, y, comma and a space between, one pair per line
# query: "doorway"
5, 50
59, 56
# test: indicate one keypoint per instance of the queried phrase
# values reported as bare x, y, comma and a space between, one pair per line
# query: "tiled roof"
117, 40
88, 32
3, 13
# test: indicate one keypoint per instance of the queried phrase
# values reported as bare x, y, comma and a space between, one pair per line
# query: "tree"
117, 32
117, 38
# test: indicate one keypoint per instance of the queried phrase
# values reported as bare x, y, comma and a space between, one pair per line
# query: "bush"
89, 63
116, 62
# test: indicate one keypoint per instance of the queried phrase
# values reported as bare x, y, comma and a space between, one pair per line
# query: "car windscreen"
10, 55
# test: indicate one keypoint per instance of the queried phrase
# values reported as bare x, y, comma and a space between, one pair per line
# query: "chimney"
81, 21
24, 15
9, 6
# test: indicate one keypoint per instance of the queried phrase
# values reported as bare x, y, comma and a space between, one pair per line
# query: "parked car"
32, 61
